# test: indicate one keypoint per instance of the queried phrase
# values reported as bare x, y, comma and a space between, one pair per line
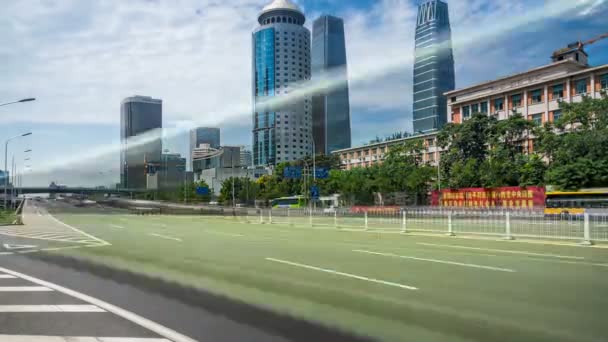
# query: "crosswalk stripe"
50, 308
24, 289
40, 338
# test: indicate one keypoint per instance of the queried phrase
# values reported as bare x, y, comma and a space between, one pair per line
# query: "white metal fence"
491, 222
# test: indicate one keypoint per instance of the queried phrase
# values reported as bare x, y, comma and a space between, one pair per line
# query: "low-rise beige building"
535, 94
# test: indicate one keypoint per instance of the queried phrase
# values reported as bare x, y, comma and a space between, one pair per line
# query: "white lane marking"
11, 246
24, 288
501, 250
7, 276
570, 262
78, 230
41, 338
343, 274
165, 237
491, 268
50, 308
117, 226
146, 323
223, 234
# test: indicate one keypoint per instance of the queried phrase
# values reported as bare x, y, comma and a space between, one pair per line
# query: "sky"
81, 58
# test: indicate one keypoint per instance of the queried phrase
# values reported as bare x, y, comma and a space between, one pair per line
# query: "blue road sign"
314, 192
202, 190
292, 172
322, 173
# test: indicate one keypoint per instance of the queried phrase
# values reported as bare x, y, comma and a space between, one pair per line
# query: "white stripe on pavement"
502, 251
7, 276
50, 308
491, 268
343, 274
40, 338
24, 289
165, 237
170, 334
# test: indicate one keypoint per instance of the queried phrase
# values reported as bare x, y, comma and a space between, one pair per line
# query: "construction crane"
572, 51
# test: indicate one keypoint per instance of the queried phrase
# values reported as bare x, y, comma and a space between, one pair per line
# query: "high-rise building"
433, 67
246, 157
172, 174
282, 130
330, 109
139, 115
203, 135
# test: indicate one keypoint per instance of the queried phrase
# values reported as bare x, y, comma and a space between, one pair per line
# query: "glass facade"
282, 124
205, 135
330, 109
433, 67
139, 115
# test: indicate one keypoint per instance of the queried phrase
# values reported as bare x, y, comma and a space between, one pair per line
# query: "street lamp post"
6, 162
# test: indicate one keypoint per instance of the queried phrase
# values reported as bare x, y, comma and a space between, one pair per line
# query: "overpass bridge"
77, 190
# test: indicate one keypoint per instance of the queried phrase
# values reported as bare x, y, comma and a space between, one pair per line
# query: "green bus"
294, 202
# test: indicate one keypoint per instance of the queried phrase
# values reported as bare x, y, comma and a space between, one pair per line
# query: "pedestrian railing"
509, 224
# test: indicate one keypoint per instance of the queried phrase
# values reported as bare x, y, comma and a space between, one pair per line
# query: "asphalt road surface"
42, 301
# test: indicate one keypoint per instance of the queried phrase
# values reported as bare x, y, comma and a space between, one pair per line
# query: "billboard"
503, 197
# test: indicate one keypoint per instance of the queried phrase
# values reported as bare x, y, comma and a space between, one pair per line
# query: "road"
41, 301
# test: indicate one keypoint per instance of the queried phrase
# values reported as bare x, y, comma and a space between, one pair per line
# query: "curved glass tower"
281, 59
433, 67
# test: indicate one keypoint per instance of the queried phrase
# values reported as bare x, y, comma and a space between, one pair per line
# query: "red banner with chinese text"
503, 197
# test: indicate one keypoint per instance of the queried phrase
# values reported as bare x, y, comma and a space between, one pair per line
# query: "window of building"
475, 108
466, 111
516, 100
558, 91
557, 115
499, 104
484, 107
537, 118
604, 81
580, 86
537, 96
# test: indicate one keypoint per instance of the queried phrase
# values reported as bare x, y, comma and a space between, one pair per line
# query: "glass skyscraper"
433, 67
330, 109
139, 115
282, 128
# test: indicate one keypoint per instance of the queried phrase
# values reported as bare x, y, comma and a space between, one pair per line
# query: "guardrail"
508, 224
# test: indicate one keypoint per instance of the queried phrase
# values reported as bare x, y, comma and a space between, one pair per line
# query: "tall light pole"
29, 99
6, 160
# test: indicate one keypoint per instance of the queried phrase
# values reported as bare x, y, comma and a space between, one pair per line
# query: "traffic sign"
322, 173
292, 172
202, 190
314, 192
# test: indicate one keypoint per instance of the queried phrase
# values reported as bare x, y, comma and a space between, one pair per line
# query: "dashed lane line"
25, 288
491, 268
502, 251
165, 332
344, 274
166, 237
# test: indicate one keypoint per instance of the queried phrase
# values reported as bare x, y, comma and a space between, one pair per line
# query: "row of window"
284, 20
536, 96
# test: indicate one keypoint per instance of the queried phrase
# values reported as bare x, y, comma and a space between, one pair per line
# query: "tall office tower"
139, 115
433, 67
282, 128
330, 109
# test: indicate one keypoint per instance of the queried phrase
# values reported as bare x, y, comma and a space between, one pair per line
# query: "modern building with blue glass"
282, 126
433, 66
139, 115
330, 109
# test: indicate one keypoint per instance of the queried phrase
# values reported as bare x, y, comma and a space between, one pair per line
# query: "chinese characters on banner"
504, 197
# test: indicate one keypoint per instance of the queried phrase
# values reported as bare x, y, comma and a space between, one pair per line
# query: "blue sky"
80, 58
